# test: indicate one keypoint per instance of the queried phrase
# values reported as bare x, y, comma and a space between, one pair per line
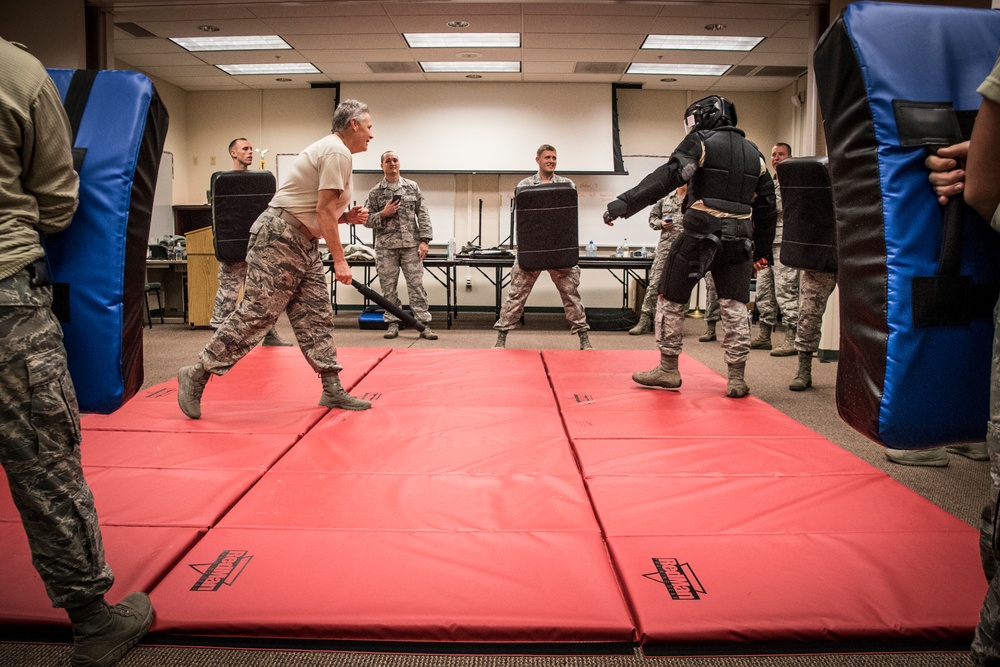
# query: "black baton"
388, 305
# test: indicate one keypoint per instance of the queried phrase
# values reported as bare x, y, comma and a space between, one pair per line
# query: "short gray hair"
347, 111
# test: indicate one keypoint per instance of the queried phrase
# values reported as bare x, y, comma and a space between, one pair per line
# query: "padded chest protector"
99, 262
238, 197
728, 175
916, 292
547, 220
810, 234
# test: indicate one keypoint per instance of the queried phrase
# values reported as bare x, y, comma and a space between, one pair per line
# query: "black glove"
616, 209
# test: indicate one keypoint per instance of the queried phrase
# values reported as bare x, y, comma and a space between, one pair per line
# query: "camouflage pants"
986, 643
815, 287
40, 448
567, 281
388, 263
778, 288
711, 300
735, 326
231, 277
284, 275
655, 271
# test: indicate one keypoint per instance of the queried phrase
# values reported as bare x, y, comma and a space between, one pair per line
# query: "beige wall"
203, 123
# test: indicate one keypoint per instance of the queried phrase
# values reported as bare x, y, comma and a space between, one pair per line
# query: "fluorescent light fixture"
269, 68
701, 43
674, 69
248, 43
462, 40
497, 66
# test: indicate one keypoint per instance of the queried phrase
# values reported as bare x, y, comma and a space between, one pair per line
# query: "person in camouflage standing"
567, 281
284, 268
402, 233
728, 225
39, 415
661, 217
777, 284
712, 315
232, 274
815, 288
971, 167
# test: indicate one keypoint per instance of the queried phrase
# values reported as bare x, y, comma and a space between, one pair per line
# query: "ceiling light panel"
448, 40
269, 68
701, 43
496, 66
247, 43
675, 69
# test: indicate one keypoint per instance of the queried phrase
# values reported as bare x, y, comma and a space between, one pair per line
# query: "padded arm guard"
765, 219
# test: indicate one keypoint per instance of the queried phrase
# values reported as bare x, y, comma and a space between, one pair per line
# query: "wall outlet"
211, 161
194, 161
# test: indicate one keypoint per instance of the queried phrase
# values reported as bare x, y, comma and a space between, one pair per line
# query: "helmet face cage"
709, 113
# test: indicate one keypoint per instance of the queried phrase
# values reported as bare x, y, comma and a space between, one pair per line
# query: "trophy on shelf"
263, 152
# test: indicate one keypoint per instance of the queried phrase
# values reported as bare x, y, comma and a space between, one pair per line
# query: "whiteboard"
486, 127
594, 192
438, 191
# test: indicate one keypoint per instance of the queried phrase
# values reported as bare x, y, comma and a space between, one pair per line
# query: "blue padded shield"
916, 329
100, 259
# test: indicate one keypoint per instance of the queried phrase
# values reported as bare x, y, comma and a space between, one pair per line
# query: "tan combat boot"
501, 340
709, 334
585, 341
191, 381
763, 339
803, 379
642, 326
665, 375
787, 348
334, 395
102, 634
737, 387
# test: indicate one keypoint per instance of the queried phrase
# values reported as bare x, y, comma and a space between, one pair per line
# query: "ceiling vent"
394, 68
782, 71
134, 29
600, 68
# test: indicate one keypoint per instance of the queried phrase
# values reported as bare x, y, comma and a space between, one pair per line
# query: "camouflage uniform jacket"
534, 179
411, 224
668, 207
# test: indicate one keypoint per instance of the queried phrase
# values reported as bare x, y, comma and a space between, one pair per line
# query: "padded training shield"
238, 197
809, 240
547, 219
916, 332
101, 258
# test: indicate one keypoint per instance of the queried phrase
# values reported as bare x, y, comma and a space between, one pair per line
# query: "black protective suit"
729, 212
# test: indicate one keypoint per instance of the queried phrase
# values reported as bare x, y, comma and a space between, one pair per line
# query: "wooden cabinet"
203, 276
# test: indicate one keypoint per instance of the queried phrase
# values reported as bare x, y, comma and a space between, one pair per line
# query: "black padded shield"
809, 240
547, 218
238, 197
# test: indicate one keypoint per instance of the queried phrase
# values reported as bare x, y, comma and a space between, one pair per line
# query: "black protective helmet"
709, 113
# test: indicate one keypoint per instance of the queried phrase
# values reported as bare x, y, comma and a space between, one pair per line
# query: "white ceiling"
583, 41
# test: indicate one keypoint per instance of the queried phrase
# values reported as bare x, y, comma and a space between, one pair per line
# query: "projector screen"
486, 127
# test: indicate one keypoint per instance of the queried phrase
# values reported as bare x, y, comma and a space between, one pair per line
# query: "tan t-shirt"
325, 165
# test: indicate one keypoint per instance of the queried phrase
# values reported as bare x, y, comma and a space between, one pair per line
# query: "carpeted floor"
960, 488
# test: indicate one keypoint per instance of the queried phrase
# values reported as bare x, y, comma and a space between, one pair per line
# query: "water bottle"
625, 250
451, 248
591, 249
643, 252
618, 250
